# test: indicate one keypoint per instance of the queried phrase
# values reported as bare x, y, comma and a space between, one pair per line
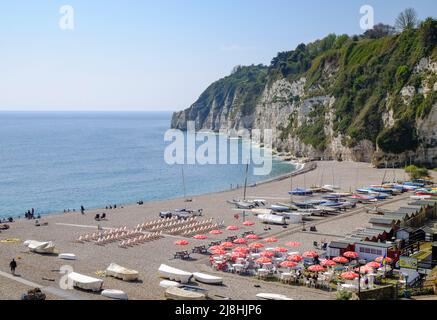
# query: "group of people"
30, 214
7, 220
110, 207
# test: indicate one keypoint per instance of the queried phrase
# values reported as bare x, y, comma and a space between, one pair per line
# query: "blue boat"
301, 192
331, 197
331, 204
381, 190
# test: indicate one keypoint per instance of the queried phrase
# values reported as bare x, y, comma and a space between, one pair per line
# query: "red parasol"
241, 249
240, 241
256, 245
373, 264
288, 264
181, 243
252, 237
316, 268
295, 258
271, 240
232, 228
267, 254
349, 275
263, 260
219, 252
328, 263
200, 237
381, 259
227, 245
281, 250
215, 248
350, 255
248, 223
216, 232
310, 254
340, 260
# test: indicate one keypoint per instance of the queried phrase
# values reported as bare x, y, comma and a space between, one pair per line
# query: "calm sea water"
54, 161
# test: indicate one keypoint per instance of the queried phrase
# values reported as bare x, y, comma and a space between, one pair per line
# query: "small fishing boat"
272, 219
40, 247
206, 278
261, 211
272, 296
301, 192
85, 282
167, 284
279, 208
171, 273
67, 256
119, 272
327, 209
114, 294
174, 293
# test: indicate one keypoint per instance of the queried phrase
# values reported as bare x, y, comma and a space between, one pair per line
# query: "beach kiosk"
369, 251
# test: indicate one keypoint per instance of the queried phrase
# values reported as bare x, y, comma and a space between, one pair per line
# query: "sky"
144, 55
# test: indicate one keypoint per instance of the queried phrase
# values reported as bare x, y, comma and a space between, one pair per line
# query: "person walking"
13, 266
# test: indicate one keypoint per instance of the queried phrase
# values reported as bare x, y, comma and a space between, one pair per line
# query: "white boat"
85, 282
261, 211
206, 278
67, 256
272, 296
174, 293
167, 284
41, 247
293, 217
272, 219
119, 272
114, 294
171, 273
279, 208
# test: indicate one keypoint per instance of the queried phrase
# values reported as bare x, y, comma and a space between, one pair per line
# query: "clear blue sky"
156, 55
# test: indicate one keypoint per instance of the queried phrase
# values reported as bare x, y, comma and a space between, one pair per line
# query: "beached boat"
206, 278
41, 247
261, 211
327, 209
301, 192
171, 273
272, 219
85, 282
272, 296
243, 204
67, 256
279, 208
167, 284
174, 293
114, 294
119, 272
293, 217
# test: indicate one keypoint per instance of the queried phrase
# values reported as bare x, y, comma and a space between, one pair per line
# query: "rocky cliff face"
360, 100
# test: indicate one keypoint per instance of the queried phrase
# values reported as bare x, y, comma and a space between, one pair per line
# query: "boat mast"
245, 188
184, 188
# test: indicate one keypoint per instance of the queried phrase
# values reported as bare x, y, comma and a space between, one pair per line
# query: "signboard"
408, 263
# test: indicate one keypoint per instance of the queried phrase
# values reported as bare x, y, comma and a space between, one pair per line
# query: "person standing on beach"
82, 209
13, 266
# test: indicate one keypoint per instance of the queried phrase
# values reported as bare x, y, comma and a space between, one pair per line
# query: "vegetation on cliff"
369, 76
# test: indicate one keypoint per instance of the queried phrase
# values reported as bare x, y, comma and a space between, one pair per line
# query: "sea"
53, 161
